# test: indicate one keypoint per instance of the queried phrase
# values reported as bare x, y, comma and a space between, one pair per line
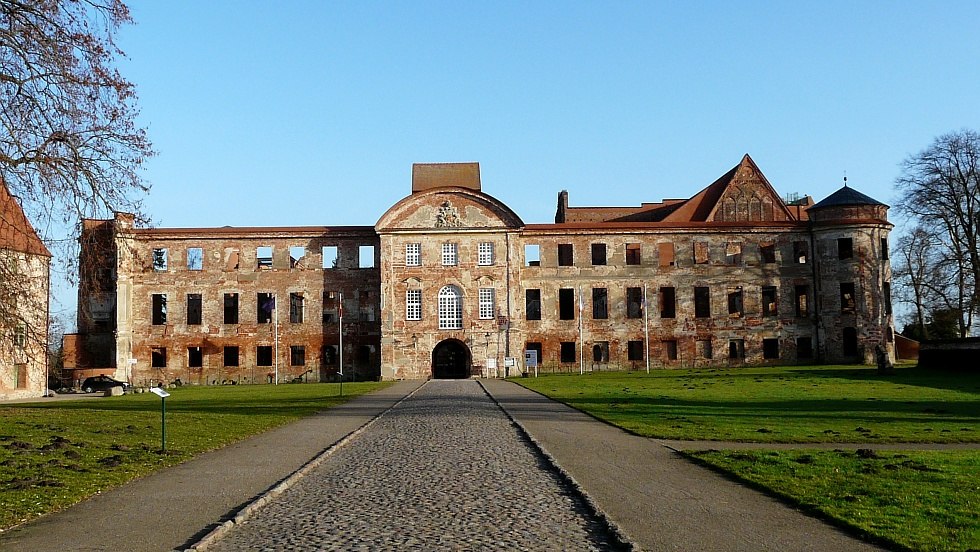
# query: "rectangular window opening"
195, 258
701, 252
158, 357
845, 248
704, 348
566, 254
770, 305
736, 304
297, 355
487, 306
329, 256
413, 254
532, 304
802, 303
263, 257
231, 356
330, 303
668, 303
296, 304
886, 291
847, 299
365, 256
733, 254
600, 305
160, 259
296, 255
770, 348
413, 304
195, 358
670, 349
702, 302
532, 255
263, 355
485, 255
768, 253
265, 305
804, 347
633, 253
634, 302
231, 308
598, 254
450, 254
194, 309
566, 304
159, 309
567, 352
736, 349
634, 350
884, 249
800, 252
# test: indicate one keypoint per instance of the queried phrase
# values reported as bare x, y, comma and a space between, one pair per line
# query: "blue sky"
312, 113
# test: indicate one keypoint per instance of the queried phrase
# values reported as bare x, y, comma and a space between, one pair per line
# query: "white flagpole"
275, 331
340, 326
581, 336
646, 325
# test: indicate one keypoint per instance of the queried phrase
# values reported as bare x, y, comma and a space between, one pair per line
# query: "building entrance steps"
656, 497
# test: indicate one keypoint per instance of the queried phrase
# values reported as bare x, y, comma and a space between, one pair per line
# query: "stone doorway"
451, 360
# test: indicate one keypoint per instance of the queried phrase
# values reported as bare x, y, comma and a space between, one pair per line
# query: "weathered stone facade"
458, 285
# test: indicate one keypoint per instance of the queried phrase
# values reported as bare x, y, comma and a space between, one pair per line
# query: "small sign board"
133, 361
510, 361
491, 364
157, 391
531, 359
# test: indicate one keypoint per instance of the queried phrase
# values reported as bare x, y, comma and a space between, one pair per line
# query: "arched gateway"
451, 359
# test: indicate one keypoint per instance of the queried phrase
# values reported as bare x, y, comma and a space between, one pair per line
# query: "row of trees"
937, 264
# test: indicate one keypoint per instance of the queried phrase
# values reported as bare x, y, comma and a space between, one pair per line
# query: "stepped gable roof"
746, 176
16, 232
846, 196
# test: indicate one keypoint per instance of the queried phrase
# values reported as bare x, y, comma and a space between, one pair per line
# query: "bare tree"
940, 190
70, 146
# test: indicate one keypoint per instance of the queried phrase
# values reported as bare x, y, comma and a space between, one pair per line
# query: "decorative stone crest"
447, 216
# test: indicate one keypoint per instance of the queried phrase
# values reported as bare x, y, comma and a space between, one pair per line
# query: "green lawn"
924, 501
797, 404
55, 454
909, 500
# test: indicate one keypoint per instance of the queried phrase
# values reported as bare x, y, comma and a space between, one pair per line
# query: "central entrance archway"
451, 360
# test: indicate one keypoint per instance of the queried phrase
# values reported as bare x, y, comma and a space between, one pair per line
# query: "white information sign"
157, 391
531, 359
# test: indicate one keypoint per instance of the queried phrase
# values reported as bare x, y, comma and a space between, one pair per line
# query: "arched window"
450, 308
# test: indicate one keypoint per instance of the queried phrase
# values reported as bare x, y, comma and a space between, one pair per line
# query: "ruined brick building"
450, 282
24, 283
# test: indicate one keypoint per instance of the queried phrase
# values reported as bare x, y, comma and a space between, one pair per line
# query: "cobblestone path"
443, 470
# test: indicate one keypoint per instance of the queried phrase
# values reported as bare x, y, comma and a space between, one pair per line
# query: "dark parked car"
101, 383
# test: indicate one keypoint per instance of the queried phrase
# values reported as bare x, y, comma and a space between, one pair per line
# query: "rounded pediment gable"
448, 209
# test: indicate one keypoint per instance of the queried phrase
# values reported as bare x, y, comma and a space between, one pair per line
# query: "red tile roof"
16, 232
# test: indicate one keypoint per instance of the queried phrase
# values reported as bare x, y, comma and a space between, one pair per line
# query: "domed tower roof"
844, 197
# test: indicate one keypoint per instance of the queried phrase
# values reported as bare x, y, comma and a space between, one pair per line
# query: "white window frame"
413, 254
450, 254
413, 304
485, 254
488, 306
450, 308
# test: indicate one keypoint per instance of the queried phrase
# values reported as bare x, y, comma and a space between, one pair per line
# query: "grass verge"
788, 404
55, 454
924, 500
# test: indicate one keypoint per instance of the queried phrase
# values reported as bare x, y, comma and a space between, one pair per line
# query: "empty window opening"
329, 355
733, 254
736, 304
704, 348
804, 347
700, 252
158, 357
668, 303
847, 300
195, 358
160, 259
159, 309
634, 302
532, 304
633, 253
265, 305
263, 355
600, 351
566, 304
485, 255
736, 349
366, 305
670, 349
598, 254
566, 254
413, 254
231, 355
886, 291
450, 308
488, 307
450, 254
296, 255
193, 309
532, 255
770, 348
329, 254
702, 302
413, 304
800, 252
296, 305
20, 336
666, 253
195, 258
330, 302
365, 256
263, 257
850, 342
845, 248
231, 308
567, 352
770, 305
884, 249
634, 350
768, 253
297, 355
600, 305
802, 303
